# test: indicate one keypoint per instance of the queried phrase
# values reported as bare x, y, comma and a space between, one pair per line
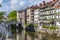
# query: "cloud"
22, 3
9, 5
32, 0
5, 8
13, 7
1, 1
13, 2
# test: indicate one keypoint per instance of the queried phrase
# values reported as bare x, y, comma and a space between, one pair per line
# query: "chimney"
36, 5
40, 4
53, 0
44, 3
48, 2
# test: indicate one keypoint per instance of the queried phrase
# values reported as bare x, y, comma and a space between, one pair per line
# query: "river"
35, 36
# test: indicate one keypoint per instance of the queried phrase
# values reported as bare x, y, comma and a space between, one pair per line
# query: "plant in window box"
53, 27
35, 25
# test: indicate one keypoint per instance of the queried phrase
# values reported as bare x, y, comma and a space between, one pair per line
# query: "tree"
1, 15
12, 16
0, 5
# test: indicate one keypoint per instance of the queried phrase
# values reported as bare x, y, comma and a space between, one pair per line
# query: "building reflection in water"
37, 36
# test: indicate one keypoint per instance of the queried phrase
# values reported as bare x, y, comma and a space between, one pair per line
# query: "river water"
35, 36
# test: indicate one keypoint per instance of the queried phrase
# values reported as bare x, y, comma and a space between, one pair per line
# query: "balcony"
48, 19
47, 9
47, 14
32, 16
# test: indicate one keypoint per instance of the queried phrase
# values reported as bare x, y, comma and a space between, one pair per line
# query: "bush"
30, 28
53, 27
26, 24
35, 25
50, 27
45, 26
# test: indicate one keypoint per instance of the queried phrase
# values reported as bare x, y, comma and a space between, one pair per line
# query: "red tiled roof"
57, 7
34, 7
44, 4
53, 2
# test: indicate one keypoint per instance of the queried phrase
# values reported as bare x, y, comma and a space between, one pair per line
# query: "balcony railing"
46, 9
48, 19
47, 14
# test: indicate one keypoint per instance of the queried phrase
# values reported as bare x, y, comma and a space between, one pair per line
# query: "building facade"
30, 15
49, 13
44, 14
21, 16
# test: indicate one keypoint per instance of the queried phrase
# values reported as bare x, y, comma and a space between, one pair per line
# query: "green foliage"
1, 15
44, 26
35, 25
53, 27
12, 16
26, 24
50, 27
0, 5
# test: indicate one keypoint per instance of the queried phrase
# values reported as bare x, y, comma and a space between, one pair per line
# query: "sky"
10, 5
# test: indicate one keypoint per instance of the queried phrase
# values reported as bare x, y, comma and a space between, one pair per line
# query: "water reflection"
37, 36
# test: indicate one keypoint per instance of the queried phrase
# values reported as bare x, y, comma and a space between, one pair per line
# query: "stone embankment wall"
45, 30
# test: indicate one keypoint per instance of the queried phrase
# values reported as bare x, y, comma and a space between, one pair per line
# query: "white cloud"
22, 3
5, 8
14, 2
32, 1
1, 1
13, 7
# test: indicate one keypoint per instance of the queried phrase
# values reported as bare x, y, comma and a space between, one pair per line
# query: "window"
40, 13
57, 10
32, 10
49, 12
57, 17
53, 16
50, 17
53, 11
27, 15
36, 13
